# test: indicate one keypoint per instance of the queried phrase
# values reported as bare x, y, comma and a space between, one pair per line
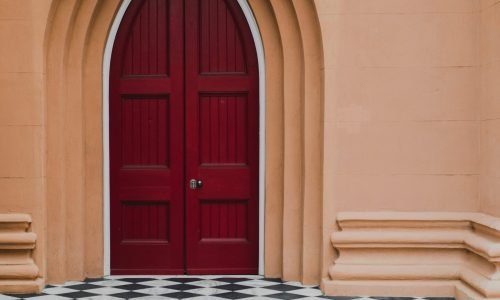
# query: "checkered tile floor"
186, 287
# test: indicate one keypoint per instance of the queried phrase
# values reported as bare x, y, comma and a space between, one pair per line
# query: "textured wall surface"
22, 119
407, 120
490, 107
401, 103
401, 106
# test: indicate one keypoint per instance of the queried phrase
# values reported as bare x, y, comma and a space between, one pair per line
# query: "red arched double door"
184, 114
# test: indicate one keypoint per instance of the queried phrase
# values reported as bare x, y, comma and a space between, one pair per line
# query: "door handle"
195, 184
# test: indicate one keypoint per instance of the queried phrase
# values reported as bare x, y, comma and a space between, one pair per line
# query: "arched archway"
74, 47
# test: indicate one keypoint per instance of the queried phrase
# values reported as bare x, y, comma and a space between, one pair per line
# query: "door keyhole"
195, 184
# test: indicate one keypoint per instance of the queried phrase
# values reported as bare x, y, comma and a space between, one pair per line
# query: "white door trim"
259, 46
105, 117
105, 135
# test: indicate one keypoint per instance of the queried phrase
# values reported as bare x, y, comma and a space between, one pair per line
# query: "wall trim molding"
108, 50
18, 271
416, 254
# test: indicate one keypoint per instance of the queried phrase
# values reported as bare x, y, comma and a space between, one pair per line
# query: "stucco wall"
401, 103
22, 124
401, 106
410, 119
490, 107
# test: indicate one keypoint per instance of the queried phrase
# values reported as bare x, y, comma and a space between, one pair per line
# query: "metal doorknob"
195, 184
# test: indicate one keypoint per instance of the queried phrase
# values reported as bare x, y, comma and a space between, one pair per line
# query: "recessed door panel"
145, 134
223, 129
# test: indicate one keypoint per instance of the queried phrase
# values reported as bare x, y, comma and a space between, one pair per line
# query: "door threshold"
184, 276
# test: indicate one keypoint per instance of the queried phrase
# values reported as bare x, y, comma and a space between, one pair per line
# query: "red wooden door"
222, 139
184, 105
146, 140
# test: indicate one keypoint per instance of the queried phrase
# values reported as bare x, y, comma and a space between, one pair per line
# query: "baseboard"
21, 286
389, 288
416, 254
18, 271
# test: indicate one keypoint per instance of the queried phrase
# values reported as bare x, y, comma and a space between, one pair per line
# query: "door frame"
250, 18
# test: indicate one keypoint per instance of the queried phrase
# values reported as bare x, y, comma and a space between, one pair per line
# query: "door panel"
221, 140
223, 128
220, 41
147, 140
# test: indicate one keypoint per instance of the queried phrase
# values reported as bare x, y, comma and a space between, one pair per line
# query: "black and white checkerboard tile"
186, 287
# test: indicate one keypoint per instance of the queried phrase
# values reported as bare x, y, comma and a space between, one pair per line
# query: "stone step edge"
21, 286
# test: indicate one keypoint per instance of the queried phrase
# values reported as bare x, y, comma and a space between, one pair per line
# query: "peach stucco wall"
411, 119
490, 107
401, 106
401, 103
22, 124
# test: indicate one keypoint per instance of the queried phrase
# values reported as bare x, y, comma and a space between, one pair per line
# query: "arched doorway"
77, 55
184, 140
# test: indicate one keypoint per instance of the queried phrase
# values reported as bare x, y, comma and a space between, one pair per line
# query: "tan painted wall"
22, 118
410, 109
401, 103
490, 107
401, 106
